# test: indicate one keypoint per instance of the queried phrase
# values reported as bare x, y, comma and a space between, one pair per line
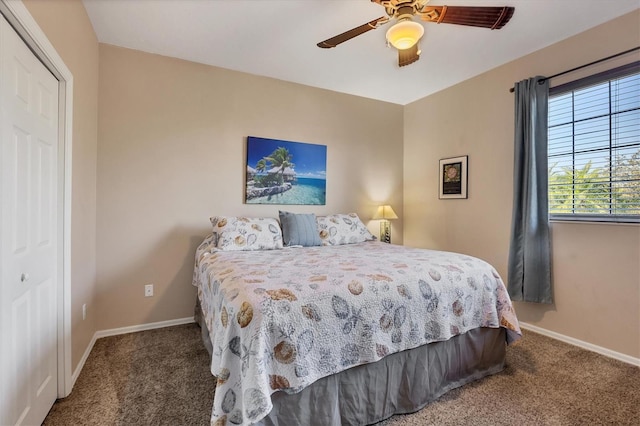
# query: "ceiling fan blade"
474, 16
408, 56
354, 32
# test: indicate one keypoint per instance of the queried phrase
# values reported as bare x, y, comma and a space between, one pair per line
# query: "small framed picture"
453, 177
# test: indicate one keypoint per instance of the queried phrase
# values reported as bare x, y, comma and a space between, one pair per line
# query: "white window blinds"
594, 147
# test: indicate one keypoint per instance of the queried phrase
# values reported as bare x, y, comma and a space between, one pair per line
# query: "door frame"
16, 13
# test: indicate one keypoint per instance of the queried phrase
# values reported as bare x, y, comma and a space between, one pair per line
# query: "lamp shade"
385, 212
405, 34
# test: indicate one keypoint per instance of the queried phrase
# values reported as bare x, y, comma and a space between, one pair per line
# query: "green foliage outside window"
592, 190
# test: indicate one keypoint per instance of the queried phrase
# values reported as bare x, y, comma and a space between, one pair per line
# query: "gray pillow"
299, 229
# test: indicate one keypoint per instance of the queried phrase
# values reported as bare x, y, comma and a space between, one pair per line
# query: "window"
594, 147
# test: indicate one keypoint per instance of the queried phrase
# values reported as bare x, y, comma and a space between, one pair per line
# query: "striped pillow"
299, 229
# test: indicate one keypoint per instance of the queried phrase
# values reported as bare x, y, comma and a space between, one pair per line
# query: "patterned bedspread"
281, 319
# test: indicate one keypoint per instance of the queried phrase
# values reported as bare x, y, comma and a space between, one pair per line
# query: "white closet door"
28, 213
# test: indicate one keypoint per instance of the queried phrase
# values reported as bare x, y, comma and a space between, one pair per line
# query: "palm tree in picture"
261, 165
280, 159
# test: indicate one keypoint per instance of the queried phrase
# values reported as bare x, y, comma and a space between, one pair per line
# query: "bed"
351, 333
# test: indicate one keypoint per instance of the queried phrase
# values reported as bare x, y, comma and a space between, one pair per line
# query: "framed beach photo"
284, 172
453, 177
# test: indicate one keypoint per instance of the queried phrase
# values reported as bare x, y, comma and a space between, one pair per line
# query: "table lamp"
385, 213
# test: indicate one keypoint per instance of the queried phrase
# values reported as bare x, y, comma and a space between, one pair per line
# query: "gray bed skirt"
399, 383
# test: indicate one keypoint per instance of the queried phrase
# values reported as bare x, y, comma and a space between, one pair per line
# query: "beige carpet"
161, 377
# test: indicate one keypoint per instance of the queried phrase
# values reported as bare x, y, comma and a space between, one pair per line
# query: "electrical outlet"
148, 290
84, 311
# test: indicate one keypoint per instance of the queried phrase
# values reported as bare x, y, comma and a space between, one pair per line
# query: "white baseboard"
582, 344
78, 369
143, 327
123, 330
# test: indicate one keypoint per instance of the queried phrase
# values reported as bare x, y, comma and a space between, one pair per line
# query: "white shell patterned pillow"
245, 233
338, 229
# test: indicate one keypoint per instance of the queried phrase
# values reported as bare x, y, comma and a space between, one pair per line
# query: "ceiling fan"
405, 34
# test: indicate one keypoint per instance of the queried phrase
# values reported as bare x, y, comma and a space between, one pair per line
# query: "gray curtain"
529, 277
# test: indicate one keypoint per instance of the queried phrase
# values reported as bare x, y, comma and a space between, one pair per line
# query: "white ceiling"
277, 38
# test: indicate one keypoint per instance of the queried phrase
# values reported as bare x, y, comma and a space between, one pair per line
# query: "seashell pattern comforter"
281, 319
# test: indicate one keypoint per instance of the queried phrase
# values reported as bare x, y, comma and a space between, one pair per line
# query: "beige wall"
172, 138
596, 268
67, 26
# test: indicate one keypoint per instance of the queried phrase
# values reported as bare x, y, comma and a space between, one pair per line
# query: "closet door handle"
24, 278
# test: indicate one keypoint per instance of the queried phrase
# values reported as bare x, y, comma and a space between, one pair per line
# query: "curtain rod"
585, 65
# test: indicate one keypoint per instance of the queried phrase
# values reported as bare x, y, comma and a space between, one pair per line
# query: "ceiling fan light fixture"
405, 34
